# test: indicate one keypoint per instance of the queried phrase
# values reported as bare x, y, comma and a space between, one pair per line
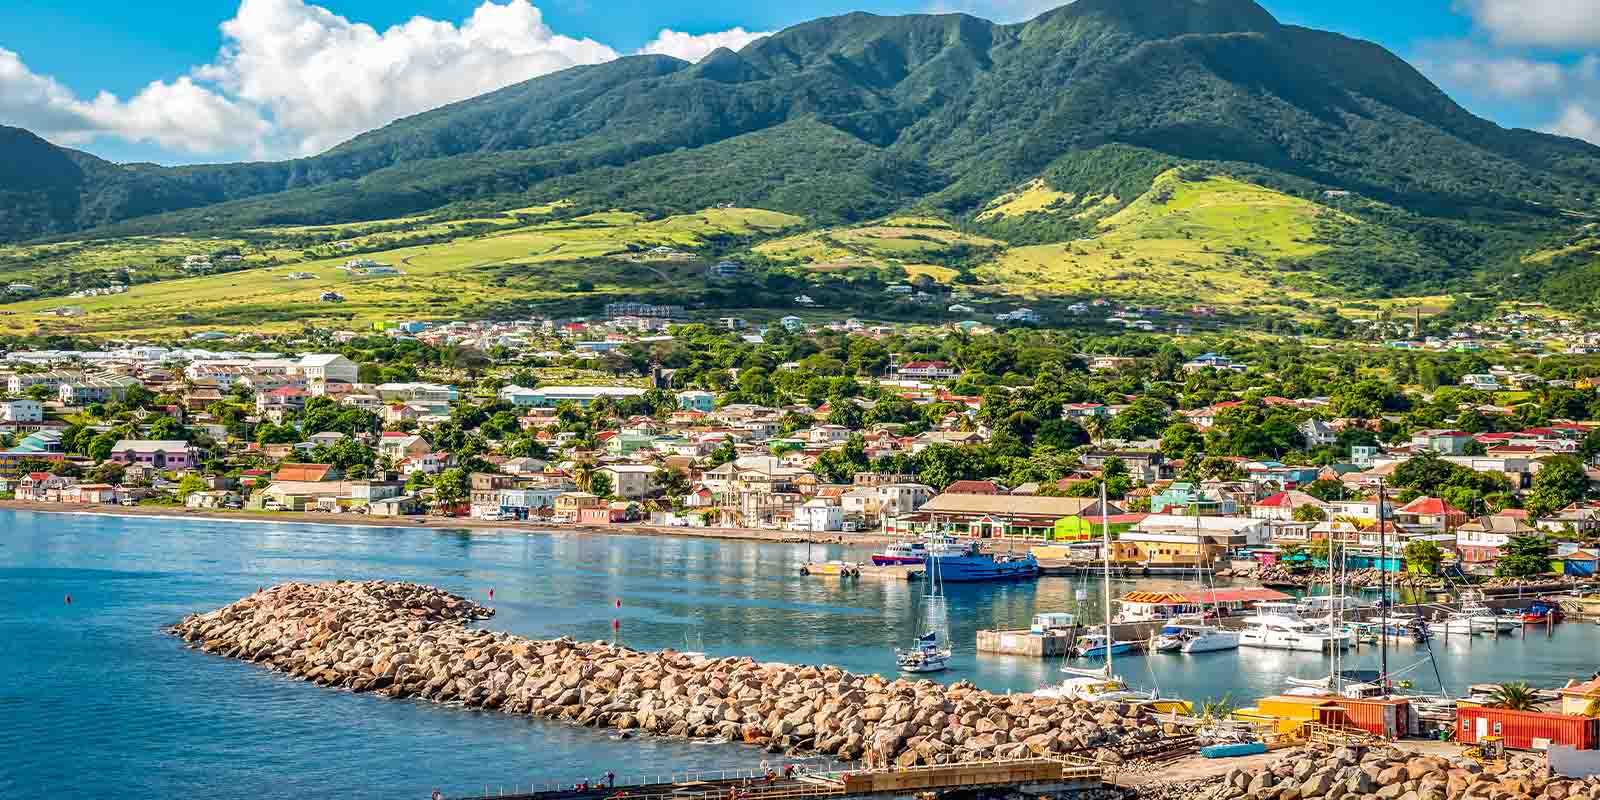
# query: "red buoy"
616, 624
491, 594
619, 602
69, 599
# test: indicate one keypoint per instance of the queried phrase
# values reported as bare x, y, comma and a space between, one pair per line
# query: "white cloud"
690, 47
180, 115
293, 78
324, 79
1543, 23
1579, 123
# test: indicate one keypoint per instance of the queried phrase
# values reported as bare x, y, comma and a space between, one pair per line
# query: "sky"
200, 81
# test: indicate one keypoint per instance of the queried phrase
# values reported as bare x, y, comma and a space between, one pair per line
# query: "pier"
1034, 776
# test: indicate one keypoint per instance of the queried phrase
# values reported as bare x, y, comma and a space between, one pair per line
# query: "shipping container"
1526, 730
1388, 718
1285, 706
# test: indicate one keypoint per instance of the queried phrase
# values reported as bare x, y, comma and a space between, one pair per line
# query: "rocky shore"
406, 640
1386, 773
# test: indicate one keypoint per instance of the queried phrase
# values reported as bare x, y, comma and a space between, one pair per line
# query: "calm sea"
95, 701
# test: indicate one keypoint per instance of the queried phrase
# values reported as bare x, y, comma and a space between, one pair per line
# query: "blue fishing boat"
963, 562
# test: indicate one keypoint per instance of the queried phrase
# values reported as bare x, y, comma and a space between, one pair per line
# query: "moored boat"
1096, 645
901, 554
965, 562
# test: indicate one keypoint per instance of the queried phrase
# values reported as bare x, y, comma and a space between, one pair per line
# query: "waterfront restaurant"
1150, 606
999, 516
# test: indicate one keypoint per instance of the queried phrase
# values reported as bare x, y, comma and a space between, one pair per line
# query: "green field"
908, 242
1215, 241
603, 256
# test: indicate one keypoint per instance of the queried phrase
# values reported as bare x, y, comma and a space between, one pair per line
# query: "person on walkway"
611, 780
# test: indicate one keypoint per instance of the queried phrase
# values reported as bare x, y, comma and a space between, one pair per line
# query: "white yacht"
1207, 639
1485, 620
1278, 626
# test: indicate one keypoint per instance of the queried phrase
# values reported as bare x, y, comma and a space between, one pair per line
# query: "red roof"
973, 487
1247, 594
925, 365
286, 391
1274, 501
1430, 505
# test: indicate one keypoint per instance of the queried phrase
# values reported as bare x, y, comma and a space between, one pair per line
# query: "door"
1482, 729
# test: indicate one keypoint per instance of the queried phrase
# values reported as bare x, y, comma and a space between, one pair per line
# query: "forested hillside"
848, 118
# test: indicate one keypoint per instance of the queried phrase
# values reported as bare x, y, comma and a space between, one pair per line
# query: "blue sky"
180, 81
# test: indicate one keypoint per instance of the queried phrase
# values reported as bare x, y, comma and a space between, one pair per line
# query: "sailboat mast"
1383, 584
1333, 618
1105, 555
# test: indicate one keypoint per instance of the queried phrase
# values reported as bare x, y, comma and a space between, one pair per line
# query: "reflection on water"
112, 707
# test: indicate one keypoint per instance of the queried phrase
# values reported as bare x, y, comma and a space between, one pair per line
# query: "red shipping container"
1526, 730
1391, 718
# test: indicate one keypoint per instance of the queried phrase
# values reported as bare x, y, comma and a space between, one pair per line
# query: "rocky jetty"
410, 641
1387, 773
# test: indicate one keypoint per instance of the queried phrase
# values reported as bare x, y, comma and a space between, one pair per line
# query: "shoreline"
448, 523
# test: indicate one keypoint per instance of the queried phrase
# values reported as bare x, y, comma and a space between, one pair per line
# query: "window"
1497, 729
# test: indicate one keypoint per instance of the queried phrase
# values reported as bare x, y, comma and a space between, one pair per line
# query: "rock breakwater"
406, 640
1387, 773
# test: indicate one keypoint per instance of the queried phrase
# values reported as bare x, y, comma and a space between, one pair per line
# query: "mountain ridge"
944, 112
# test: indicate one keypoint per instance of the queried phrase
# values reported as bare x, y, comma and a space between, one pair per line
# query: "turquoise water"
95, 701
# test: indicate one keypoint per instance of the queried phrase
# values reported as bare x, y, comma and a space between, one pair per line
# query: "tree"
1523, 556
583, 474
451, 488
1325, 490
38, 392
101, 446
1319, 549
167, 429
1513, 697
190, 484
109, 472
1560, 482
1423, 556
723, 453
672, 482
600, 484
1181, 440
1142, 419
1309, 513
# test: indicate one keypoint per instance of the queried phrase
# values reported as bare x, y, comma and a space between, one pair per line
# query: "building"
95, 389
817, 515
326, 367
1479, 541
21, 411
550, 396
431, 393
1431, 513
1443, 442
398, 447
1317, 433
631, 481
19, 384
174, 454
928, 370
982, 516
1281, 507
696, 400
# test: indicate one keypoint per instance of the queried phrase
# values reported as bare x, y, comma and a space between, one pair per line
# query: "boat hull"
1099, 651
1212, 643
881, 560
971, 569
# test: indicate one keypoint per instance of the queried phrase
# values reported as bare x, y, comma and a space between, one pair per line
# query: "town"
1270, 453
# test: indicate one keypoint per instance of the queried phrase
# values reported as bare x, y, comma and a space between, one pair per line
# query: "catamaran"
1278, 626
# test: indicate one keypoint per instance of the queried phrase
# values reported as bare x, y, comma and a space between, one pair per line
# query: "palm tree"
583, 474
1513, 697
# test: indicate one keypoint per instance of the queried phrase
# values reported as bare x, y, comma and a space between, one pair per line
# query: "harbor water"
96, 701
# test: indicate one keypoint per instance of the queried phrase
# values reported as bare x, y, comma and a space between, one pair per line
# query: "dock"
1026, 643
845, 569
1000, 777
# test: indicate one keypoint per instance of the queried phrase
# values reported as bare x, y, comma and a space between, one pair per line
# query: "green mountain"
848, 118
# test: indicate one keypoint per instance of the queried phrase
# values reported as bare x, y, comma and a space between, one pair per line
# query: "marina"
130, 577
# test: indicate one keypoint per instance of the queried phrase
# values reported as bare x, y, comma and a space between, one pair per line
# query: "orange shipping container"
1391, 719
1526, 730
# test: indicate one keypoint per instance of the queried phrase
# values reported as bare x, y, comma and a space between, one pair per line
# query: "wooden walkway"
752, 785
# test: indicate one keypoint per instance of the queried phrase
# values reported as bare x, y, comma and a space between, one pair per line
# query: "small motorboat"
1540, 612
1097, 645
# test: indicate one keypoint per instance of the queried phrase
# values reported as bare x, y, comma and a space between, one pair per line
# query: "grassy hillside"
1209, 241
578, 263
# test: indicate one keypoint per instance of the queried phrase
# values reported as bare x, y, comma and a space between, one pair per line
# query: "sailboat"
1098, 684
930, 655
1203, 637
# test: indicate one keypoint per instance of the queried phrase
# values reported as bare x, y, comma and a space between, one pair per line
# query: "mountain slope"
845, 118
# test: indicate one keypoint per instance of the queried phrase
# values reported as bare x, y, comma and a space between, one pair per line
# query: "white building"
328, 367
21, 411
631, 481
817, 516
